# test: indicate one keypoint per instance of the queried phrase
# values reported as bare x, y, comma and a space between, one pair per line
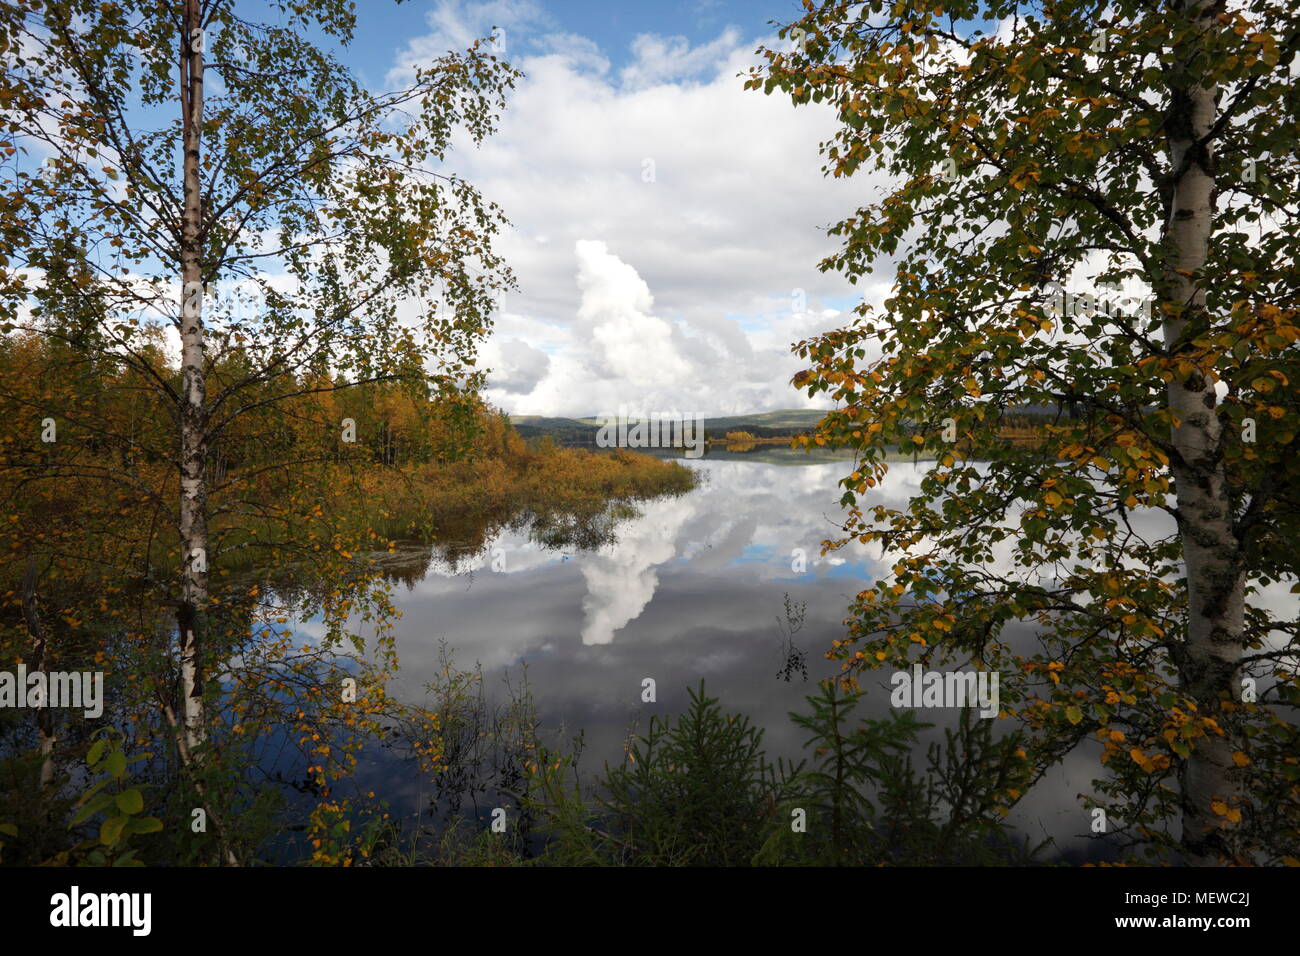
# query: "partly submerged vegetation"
696, 789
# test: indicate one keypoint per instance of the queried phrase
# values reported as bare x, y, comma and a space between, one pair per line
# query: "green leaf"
130, 801
115, 764
1073, 714
96, 751
110, 831
144, 825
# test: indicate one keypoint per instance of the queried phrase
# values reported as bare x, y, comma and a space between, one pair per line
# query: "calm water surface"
691, 589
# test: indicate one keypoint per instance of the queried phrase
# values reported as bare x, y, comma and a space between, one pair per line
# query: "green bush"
694, 791
865, 804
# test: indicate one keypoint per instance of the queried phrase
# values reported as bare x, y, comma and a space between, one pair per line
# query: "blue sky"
611, 24
666, 224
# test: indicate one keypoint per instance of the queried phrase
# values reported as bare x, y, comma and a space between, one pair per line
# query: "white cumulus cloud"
662, 220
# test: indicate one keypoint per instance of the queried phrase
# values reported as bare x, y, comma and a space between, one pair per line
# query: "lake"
692, 588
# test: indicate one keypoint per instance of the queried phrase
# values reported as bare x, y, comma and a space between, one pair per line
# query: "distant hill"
786, 421
582, 431
542, 422
791, 419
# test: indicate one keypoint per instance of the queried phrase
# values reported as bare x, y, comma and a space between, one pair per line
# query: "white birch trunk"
193, 412
1209, 661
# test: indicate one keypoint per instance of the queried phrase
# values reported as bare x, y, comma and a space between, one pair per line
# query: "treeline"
91, 452
70, 393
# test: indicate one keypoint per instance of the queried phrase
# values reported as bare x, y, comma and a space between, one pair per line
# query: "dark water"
691, 589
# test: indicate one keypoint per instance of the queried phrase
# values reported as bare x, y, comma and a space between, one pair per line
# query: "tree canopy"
1088, 208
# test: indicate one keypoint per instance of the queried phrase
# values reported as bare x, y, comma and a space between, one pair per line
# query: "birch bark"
1209, 660
193, 410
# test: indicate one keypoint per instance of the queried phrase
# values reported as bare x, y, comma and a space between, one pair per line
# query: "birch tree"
1089, 212
232, 181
